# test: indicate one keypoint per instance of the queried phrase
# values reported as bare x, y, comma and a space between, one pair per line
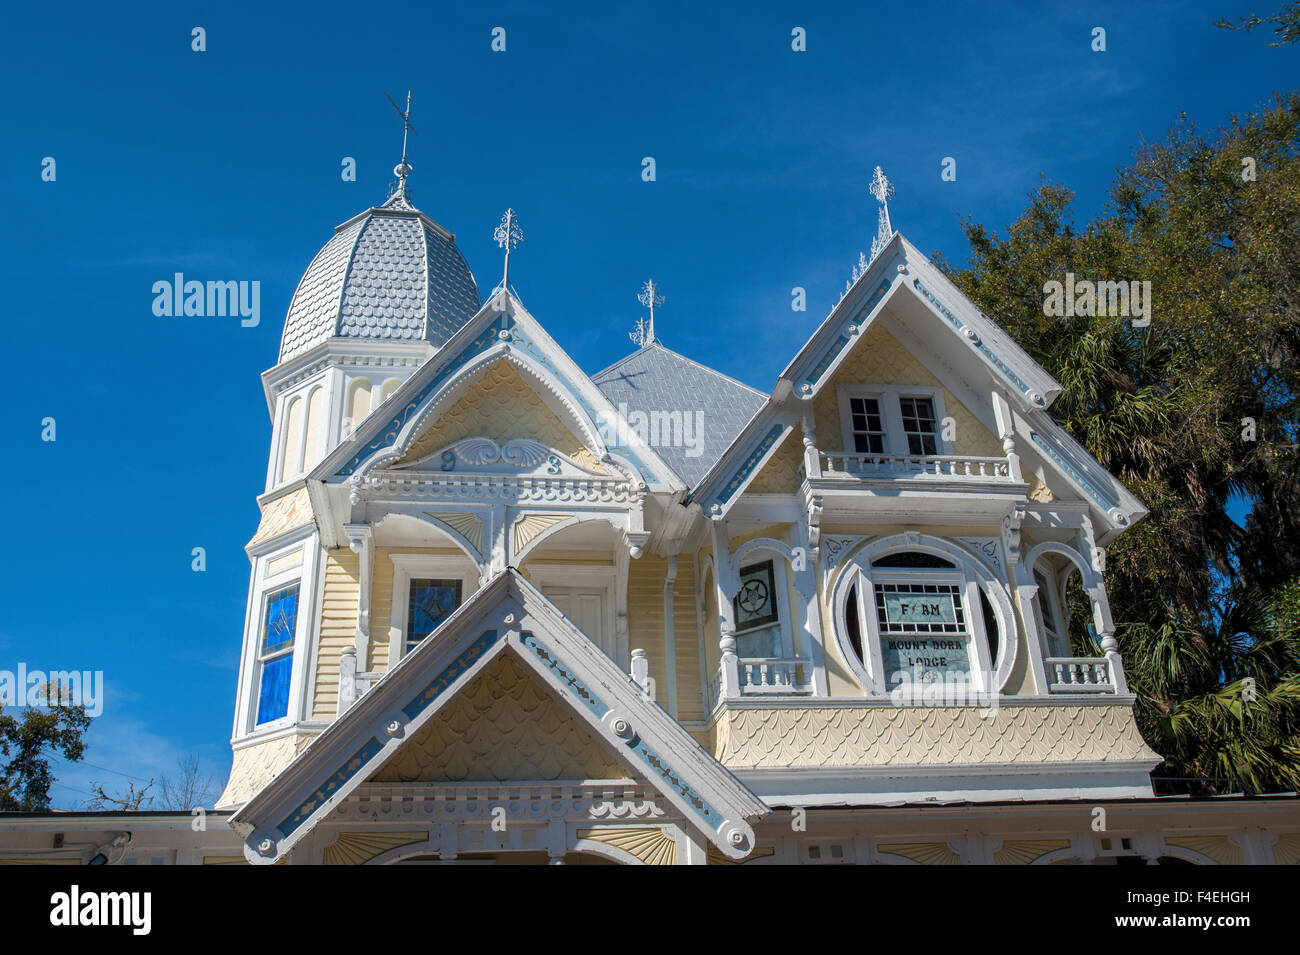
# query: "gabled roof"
963, 337
501, 328
507, 615
656, 380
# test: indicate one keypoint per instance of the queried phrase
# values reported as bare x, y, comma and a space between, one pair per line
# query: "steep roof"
657, 379
391, 273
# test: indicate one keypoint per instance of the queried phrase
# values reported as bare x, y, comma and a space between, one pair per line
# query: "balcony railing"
1079, 675
770, 675
942, 467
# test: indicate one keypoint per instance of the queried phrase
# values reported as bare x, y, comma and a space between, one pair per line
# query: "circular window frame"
856, 570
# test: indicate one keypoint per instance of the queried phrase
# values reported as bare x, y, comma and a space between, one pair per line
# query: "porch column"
361, 543
1105, 624
812, 463
729, 677
1007, 432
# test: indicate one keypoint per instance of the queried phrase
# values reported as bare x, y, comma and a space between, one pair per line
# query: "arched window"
292, 439
358, 405
391, 385
314, 426
916, 615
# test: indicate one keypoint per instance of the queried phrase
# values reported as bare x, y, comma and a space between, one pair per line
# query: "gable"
500, 405
506, 616
878, 358
503, 726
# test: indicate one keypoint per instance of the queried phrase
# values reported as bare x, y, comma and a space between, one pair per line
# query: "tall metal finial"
883, 190
651, 299
508, 236
403, 168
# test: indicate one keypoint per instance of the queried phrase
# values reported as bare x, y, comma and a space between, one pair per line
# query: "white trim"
306, 575
435, 566
950, 783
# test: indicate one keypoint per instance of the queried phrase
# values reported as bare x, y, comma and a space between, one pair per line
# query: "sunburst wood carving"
647, 843
530, 525
926, 853
358, 848
1025, 851
716, 857
1218, 848
467, 525
1287, 850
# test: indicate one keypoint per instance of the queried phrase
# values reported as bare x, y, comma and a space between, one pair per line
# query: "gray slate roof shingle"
657, 379
389, 274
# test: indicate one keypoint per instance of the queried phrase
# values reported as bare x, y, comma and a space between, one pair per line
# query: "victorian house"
504, 610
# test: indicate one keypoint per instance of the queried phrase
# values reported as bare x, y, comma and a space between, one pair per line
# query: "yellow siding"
781, 473
645, 615
645, 621
690, 701
338, 627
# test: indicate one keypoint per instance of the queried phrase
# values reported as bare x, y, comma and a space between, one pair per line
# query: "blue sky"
226, 165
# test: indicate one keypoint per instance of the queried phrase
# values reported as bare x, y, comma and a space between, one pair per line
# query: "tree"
25, 776
1200, 601
190, 788
1286, 23
130, 800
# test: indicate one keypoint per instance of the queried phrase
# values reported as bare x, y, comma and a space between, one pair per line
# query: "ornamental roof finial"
508, 235
651, 299
883, 190
403, 168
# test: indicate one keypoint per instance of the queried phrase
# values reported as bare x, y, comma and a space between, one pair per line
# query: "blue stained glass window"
431, 602
281, 619
275, 659
273, 697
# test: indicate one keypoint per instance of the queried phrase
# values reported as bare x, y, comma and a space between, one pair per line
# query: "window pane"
759, 643
869, 443
867, 427
918, 425
430, 603
281, 619
755, 604
273, 696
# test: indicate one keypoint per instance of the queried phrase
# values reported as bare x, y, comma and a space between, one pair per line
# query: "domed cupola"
390, 273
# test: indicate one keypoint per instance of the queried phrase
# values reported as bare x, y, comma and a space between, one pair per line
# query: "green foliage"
1202, 604
25, 776
1286, 23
